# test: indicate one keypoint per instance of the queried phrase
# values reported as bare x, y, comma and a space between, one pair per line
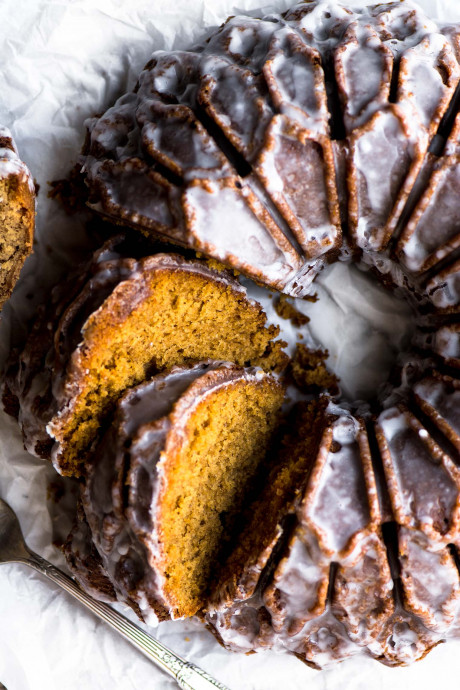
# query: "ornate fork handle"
187, 675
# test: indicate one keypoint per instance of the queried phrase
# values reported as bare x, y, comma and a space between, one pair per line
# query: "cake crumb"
217, 265
309, 371
286, 310
274, 358
71, 191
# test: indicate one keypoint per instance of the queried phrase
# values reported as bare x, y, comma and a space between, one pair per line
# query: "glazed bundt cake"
269, 127
17, 214
275, 147
119, 320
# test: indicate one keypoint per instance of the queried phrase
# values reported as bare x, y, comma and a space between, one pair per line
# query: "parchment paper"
62, 62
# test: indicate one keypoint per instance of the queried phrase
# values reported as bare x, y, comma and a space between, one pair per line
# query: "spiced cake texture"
17, 214
286, 310
128, 319
309, 371
227, 451
275, 147
174, 472
263, 526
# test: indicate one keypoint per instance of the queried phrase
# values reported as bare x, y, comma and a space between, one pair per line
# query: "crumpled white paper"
62, 62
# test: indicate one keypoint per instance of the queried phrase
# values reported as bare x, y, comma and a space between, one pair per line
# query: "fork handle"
187, 675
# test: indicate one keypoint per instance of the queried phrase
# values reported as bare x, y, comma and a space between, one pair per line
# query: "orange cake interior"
209, 475
158, 319
17, 214
265, 518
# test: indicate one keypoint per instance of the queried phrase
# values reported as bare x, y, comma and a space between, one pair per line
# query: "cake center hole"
363, 326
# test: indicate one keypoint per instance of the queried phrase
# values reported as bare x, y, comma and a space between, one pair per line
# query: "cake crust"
17, 214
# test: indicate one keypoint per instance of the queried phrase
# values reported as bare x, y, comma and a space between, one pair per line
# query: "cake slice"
17, 214
168, 482
104, 492
264, 532
27, 387
131, 319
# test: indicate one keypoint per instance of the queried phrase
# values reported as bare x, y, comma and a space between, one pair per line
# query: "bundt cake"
276, 146
119, 320
17, 214
284, 131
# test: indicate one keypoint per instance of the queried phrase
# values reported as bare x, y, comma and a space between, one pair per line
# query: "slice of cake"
17, 214
168, 482
129, 319
265, 530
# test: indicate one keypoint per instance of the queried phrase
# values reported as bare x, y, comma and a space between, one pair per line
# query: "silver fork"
13, 549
